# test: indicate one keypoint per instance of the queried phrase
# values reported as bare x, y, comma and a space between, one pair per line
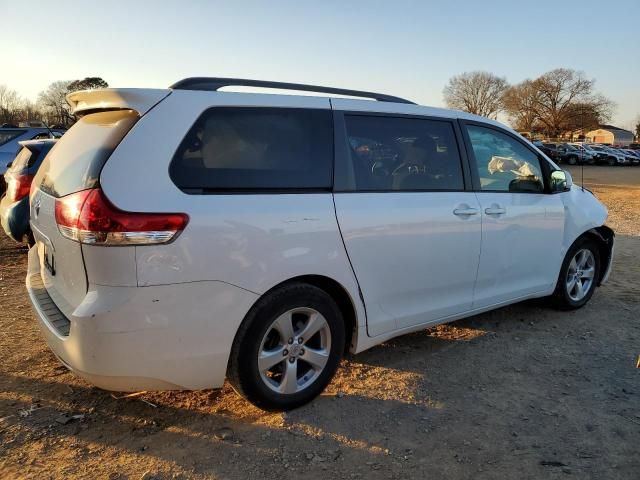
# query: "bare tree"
559, 101
9, 105
583, 116
559, 92
476, 92
54, 104
520, 102
51, 107
29, 111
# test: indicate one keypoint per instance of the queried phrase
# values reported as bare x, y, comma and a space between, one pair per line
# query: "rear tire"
572, 160
611, 161
578, 276
274, 364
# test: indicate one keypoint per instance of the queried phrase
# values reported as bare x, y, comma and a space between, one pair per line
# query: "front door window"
504, 164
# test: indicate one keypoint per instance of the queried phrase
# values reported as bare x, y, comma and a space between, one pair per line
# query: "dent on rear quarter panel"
114, 266
252, 241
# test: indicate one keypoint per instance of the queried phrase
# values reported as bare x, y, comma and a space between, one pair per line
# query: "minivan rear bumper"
145, 338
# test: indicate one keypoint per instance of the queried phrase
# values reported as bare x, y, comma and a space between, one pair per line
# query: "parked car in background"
572, 155
609, 156
630, 157
14, 205
549, 149
634, 153
598, 156
10, 139
189, 234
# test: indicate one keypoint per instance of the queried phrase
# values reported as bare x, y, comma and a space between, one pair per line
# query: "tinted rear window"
30, 156
240, 149
8, 135
76, 160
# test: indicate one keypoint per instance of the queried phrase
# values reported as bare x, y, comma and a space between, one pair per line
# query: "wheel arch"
337, 292
603, 236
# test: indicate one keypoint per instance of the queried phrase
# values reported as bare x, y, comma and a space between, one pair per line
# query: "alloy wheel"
295, 350
580, 274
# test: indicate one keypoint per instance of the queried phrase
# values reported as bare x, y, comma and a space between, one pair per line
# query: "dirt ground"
522, 392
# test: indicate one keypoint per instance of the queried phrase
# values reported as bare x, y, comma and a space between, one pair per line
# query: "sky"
402, 47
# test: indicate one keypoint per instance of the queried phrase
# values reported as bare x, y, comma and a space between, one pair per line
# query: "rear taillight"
18, 186
89, 217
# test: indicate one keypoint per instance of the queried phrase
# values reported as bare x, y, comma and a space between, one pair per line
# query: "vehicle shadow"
217, 435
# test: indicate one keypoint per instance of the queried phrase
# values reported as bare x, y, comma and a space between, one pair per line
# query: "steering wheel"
379, 169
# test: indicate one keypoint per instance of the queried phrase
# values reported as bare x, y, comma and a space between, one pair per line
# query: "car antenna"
49, 130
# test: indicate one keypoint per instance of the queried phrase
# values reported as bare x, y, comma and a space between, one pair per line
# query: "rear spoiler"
140, 100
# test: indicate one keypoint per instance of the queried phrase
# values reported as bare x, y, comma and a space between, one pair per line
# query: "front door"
522, 224
411, 230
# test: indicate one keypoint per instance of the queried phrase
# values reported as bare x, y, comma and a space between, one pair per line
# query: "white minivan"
188, 235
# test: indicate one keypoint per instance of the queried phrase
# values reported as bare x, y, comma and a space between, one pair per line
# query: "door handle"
495, 210
465, 211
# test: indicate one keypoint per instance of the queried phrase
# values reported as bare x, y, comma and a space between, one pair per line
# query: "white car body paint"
165, 316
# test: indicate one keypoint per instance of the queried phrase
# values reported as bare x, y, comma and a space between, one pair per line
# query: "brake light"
89, 217
18, 186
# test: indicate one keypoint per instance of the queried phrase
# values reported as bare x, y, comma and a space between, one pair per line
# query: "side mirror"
561, 181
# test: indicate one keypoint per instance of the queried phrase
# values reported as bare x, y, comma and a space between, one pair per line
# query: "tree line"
51, 106
562, 100
559, 101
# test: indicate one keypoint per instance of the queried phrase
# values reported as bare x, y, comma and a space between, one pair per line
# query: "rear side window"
76, 160
402, 154
243, 149
8, 135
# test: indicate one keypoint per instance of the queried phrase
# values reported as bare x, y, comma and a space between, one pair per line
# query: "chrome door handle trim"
495, 211
463, 212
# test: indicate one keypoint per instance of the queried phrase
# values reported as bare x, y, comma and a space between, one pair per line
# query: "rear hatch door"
72, 165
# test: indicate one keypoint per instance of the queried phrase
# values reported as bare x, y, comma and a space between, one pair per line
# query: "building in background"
610, 135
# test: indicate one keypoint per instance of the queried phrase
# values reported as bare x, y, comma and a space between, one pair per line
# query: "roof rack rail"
213, 83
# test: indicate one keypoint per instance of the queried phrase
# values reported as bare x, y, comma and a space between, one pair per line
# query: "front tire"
288, 348
578, 276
